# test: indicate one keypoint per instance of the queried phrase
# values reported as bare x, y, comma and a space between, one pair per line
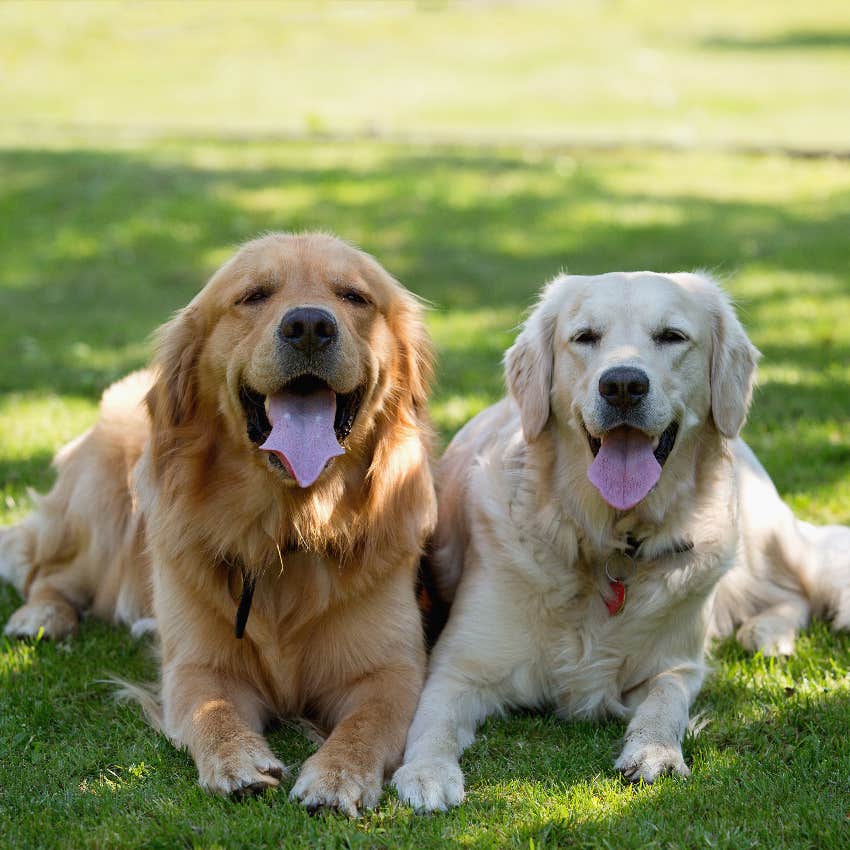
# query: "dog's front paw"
430, 786
240, 768
55, 620
649, 761
326, 782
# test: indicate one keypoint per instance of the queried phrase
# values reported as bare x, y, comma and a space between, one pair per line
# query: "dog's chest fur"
588, 658
535, 564
589, 661
598, 658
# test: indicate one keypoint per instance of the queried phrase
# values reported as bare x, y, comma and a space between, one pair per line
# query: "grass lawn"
105, 232
761, 72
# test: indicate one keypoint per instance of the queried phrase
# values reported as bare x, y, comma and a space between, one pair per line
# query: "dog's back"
452, 536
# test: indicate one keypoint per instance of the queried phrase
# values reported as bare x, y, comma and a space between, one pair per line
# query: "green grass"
106, 231
673, 71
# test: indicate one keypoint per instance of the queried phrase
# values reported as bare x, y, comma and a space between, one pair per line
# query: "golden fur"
334, 631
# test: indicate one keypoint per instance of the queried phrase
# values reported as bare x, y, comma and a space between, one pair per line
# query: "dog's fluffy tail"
147, 696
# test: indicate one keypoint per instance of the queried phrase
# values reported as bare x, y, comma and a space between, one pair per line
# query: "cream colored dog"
587, 523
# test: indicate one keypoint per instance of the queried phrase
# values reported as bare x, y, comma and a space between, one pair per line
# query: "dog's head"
291, 356
631, 368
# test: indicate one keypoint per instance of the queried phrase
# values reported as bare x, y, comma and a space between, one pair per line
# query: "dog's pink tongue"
303, 433
625, 469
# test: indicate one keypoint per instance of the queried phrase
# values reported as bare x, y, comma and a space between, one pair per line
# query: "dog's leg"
47, 559
54, 600
485, 659
47, 610
219, 721
827, 571
794, 569
773, 631
370, 722
449, 712
653, 742
16, 544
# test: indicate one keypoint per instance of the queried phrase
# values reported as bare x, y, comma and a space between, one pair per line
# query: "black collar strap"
245, 600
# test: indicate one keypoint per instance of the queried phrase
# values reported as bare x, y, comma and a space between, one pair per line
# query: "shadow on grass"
127, 239
734, 804
792, 40
100, 247
22, 471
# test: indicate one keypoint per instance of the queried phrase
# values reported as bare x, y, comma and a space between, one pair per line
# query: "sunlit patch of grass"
450, 413
714, 72
115, 779
15, 658
32, 427
34, 422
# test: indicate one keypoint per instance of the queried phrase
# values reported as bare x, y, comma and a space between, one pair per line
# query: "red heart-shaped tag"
616, 604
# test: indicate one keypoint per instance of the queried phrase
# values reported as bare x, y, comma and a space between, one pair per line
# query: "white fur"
786, 571
523, 539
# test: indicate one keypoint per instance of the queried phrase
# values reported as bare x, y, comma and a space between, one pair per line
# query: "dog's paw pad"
242, 773
323, 785
649, 761
430, 786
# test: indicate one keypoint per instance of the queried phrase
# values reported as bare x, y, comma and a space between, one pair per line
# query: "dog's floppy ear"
401, 507
529, 364
416, 353
173, 398
733, 364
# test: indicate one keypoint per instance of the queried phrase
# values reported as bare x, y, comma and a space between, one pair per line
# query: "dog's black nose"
308, 329
623, 386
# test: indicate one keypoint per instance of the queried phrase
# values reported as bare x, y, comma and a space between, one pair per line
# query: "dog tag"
616, 605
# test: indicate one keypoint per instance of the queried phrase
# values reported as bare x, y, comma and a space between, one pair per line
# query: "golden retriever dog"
263, 493
586, 524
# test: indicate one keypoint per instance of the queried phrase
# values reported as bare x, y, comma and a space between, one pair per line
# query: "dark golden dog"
279, 446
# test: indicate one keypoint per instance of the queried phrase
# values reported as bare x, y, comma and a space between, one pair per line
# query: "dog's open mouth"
627, 463
661, 451
302, 425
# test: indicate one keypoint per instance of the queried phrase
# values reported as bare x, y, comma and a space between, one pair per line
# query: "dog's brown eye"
353, 296
670, 336
255, 296
587, 336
